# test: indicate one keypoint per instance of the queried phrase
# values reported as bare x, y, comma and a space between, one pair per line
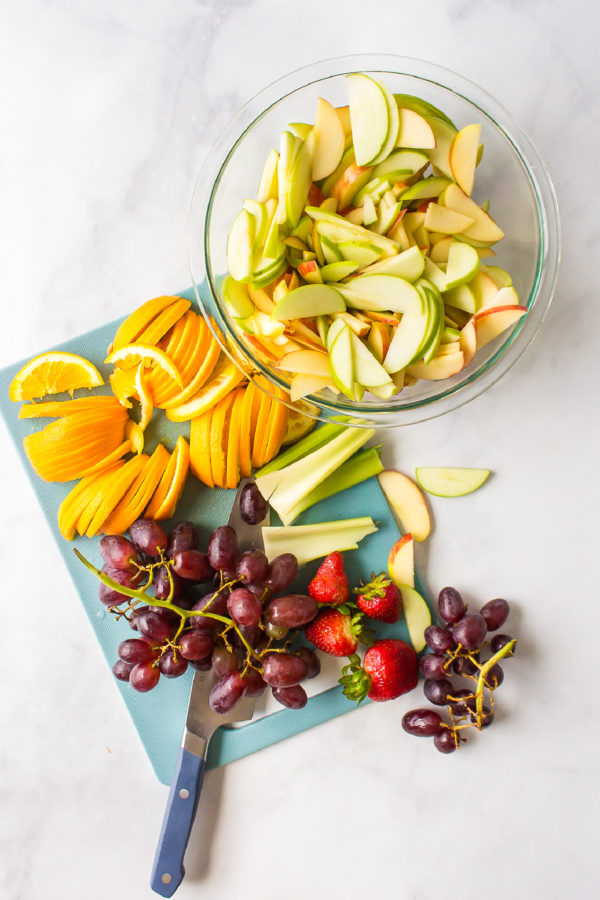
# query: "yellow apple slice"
468, 342
450, 482
267, 188
312, 362
414, 132
440, 218
489, 323
485, 290
328, 140
506, 296
439, 368
407, 502
369, 116
401, 561
483, 227
349, 184
463, 156
303, 384
417, 615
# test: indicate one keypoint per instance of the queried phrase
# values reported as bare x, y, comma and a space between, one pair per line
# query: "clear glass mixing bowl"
511, 174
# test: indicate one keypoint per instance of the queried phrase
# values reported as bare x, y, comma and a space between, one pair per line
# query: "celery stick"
286, 488
309, 542
311, 442
359, 467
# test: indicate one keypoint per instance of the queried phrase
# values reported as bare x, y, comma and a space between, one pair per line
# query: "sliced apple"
440, 250
328, 140
463, 156
298, 184
309, 300
237, 298
401, 561
485, 291
499, 276
369, 116
416, 614
379, 339
364, 252
381, 292
302, 385
288, 144
463, 263
489, 323
439, 368
409, 265
450, 482
448, 221
310, 361
483, 227
407, 502
462, 297
350, 182
310, 272
367, 370
240, 245
407, 338
302, 130
506, 296
401, 163
261, 223
338, 270
268, 185
414, 131
341, 366
434, 274
468, 342
358, 326
393, 125
425, 189
440, 156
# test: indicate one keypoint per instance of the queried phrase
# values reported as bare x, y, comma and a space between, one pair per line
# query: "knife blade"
201, 723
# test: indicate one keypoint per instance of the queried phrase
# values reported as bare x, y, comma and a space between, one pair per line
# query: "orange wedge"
261, 435
172, 344
135, 435
200, 463
223, 382
53, 373
114, 490
245, 452
183, 354
163, 322
166, 496
77, 499
276, 427
129, 330
209, 365
145, 398
122, 383
135, 501
232, 477
219, 430
140, 354
55, 409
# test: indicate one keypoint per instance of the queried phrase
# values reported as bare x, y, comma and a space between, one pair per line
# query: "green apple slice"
383, 391
264, 276
288, 145
425, 189
408, 337
369, 116
382, 292
386, 217
375, 189
463, 263
435, 324
322, 323
340, 361
261, 222
340, 229
447, 221
364, 252
499, 276
334, 329
440, 156
423, 107
369, 211
330, 250
236, 297
301, 129
409, 265
450, 482
367, 371
309, 300
393, 125
239, 246
298, 184
268, 185
416, 614
462, 297
450, 335
434, 274
401, 163
335, 271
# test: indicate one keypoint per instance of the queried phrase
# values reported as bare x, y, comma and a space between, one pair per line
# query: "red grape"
162, 585
487, 716
227, 692
291, 611
445, 741
438, 639
277, 632
463, 701
119, 553
294, 697
183, 537
154, 627
111, 597
215, 602
499, 641
193, 565
252, 566
172, 666
451, 605
282, 572
470, 631
196, 644
244, 607
223, 661
422, 722
283, 669
464, 666
122, 670
136, 650
494, 676
222, 548
313, 663
149, 537
253, 506
495, 613
437, 691
432, 667
256, 685
144, 676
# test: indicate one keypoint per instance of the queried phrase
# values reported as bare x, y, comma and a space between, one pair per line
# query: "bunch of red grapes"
458, 648
221, 610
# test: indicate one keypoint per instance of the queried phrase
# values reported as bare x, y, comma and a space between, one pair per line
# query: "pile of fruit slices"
358, 267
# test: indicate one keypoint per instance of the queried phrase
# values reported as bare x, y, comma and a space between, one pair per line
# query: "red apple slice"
407, 503
463, 156
489, 323
468, 342
401, 561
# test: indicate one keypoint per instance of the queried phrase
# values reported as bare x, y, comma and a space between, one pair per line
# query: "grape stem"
484, 669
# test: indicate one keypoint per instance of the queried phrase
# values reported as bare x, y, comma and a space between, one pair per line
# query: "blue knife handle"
168, 871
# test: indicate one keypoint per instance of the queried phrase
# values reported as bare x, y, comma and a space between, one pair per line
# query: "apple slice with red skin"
407, 502
401, 561
463, 156
439, 368
468, 342
489, 323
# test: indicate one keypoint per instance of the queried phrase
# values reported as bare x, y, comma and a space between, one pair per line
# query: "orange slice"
135, 501
52, 373
129, 330
200, 463
145, 398
245, 452
166, 496
163, 322
113, 492
135, 435
261, 435
77, 499
209, 366
232, 477
55, 409
224, 381
140, 354
110, 458
276, 427
122, 383
219, 430
178, 345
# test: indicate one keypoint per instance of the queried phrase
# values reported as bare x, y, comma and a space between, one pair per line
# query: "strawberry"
330, 584
380, 599
389, 669
336, 633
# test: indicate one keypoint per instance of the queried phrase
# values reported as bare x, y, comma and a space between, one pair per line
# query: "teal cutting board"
159, 716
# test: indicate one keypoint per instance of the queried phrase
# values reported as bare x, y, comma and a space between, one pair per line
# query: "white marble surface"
108, 109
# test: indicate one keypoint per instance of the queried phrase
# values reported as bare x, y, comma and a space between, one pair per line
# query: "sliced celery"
359, 467
309, 542
311, 442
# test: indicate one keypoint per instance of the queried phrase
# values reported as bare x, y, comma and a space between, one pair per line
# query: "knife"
201, 723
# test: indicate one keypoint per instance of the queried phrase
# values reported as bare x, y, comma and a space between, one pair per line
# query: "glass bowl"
511, 175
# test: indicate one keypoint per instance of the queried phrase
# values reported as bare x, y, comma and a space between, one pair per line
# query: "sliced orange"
145, 398
114, 490
129, 330
178, 345
261, 435
55, 409
122, 383
76, 500
135, 435
93, 498
166, 496
200, 463
140, 354
134, 502
110, 458
163, 322
53, 373
209, 353
224, 381
245, 452
219, 430
276, 426
232, 477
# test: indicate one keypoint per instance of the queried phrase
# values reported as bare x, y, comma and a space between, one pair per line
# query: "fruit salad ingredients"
450, 482
407, 503
309, 542
253, 506
380, 599
389, 669
330, 583
53, 373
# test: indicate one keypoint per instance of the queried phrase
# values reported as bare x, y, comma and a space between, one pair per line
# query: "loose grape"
294, 697
437, 691
222, 548
499, 641
214, 602
193, 565
283, 669
162, 585
252, 566
183, 537
171, 665
154, 627
244, 607
223, 661
313, 663
122, 670
291, 611
494, 676
136, 650
253, 506
149, 537
438, 639
119, 553
470, 631
495, 613
227, 692
422, 722
144, 676
451, 605
432, 667
256, 685
196, 644
445, 741
282, 572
